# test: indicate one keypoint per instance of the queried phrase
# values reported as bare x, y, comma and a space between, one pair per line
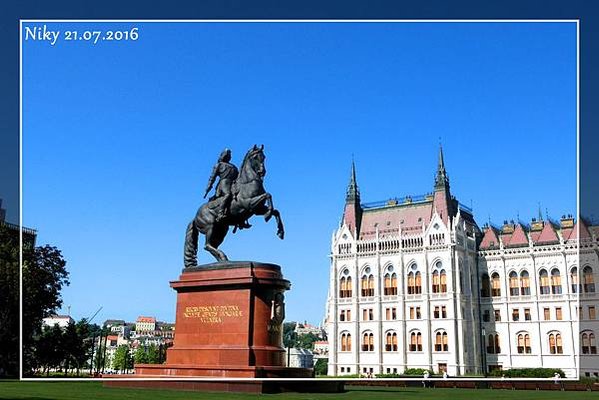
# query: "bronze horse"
249, 199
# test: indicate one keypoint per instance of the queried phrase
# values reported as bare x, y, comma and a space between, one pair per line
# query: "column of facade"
379, 302
426, 295
505, 291
356, 305
335, 312
457, 309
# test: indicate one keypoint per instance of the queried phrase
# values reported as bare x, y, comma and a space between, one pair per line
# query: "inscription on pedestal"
213, 314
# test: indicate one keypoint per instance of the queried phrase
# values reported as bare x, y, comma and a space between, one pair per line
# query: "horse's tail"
190, 253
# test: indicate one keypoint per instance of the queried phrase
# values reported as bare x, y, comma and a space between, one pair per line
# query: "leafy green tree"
289, 335
48, 349
81, 350
44, 275
141, 356
122, 358
153, 354
306, 341
321, 367
99, 358
9, 301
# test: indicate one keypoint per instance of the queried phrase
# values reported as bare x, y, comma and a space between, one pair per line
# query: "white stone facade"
547, 306
414, 283
401, 255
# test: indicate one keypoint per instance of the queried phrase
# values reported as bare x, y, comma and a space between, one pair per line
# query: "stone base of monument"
228, 325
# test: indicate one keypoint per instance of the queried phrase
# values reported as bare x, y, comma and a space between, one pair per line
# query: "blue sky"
119, 138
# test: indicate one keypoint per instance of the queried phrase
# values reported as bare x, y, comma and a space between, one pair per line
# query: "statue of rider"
227, 173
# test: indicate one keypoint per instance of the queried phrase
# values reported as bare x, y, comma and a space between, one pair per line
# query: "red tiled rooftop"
490, 239
518, 238
547, 235
389, 219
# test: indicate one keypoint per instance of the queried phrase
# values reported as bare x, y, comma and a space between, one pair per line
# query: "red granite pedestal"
228, 325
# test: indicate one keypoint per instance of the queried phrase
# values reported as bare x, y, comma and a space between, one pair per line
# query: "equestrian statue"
239, 195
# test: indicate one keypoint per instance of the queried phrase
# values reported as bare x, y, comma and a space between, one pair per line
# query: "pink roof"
112, 337
389, 219
490, 239
321, 342
584, 231
518, 238
547, 235
146, 319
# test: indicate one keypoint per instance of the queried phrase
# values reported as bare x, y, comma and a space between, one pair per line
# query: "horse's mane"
246, 158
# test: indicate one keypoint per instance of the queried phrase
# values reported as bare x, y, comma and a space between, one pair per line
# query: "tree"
81, 350
321, 367
289, 335
44, 275
306, 341
140, 357
48, 349
122, 359
9, 301
153, 354
99, 359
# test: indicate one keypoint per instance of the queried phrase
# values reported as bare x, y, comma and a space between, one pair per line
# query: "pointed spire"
441, 180
540, 212
353, 193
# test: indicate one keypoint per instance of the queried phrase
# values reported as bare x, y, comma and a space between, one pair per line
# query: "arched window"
493, 344
524, 346
391, 341
544, 280
589, 345
524, 283
345, 289
576, 286
495, 285
414, 282
368, 341
587, 280
436, 282
441, 343
367, 284
439, 278
556, 281
485, 290
390, 284
345, 342
555, 343
443, 281
514, 289
415, 341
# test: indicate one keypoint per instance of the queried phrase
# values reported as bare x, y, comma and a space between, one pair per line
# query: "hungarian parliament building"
415, 283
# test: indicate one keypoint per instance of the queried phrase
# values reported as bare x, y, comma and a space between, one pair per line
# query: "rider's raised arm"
212, 179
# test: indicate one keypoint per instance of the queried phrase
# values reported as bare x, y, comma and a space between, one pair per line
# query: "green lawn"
95, 390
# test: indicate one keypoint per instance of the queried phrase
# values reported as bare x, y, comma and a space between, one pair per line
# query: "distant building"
145, 324
61, 320
119, 327
306, 328
321, 349
300, 358
109, 323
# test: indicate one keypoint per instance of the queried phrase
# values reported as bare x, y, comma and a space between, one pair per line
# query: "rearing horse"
249, 199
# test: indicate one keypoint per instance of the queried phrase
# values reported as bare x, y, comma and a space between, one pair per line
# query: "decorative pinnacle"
353, 193
441, 180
